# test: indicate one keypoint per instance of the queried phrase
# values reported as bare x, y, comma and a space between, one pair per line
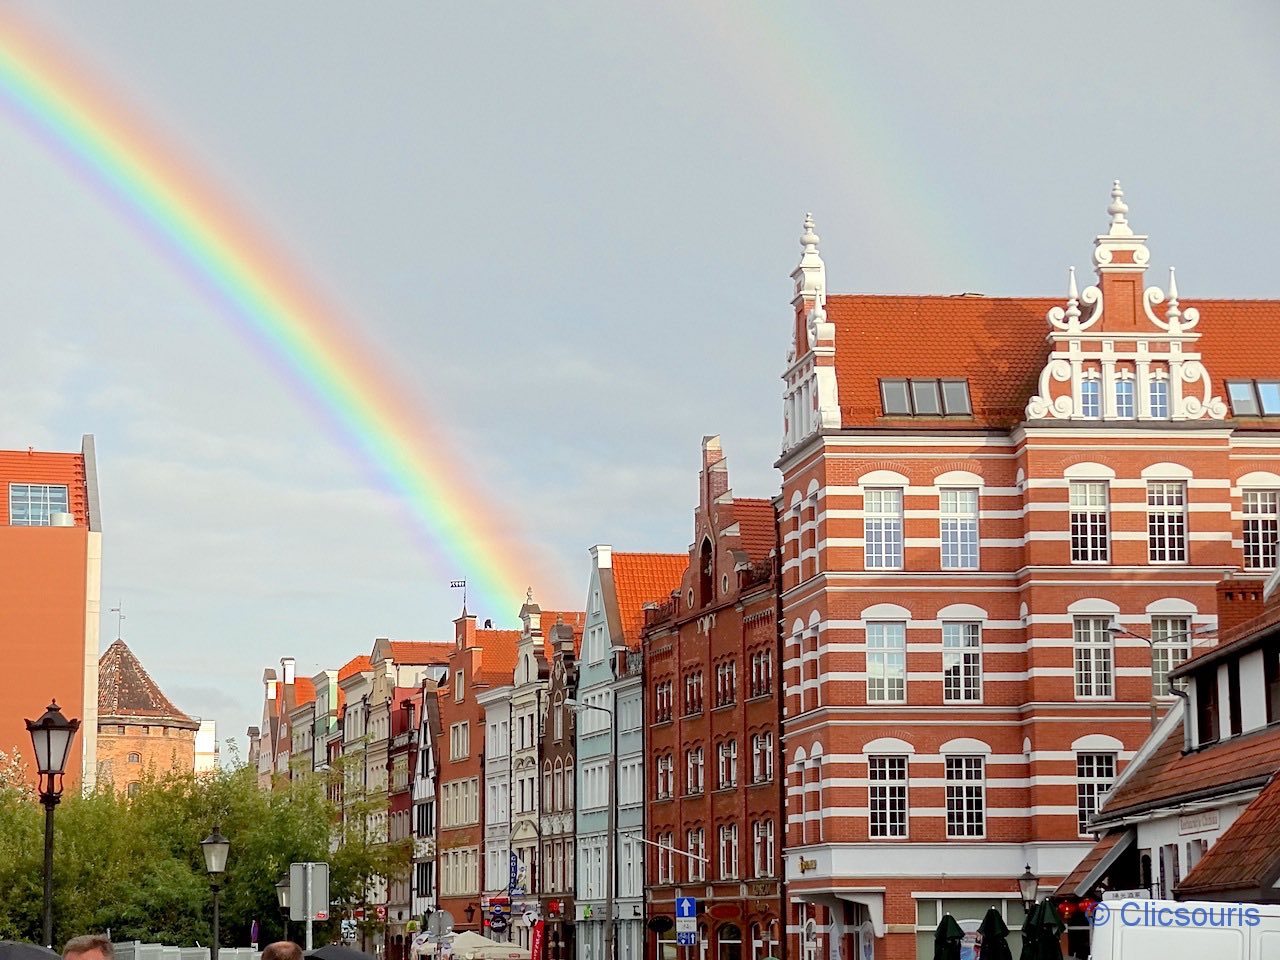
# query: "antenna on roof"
118, 610
460, 585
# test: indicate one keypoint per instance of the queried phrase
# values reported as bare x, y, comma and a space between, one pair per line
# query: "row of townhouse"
892, 689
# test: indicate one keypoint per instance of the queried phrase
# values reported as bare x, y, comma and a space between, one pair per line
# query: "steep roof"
1245, 856
757, 527
126, 690
1169, 774
999, 344
360, 664
419, 652
498, 659
640, 578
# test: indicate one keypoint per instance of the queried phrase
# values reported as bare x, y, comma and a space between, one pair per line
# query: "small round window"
724, 583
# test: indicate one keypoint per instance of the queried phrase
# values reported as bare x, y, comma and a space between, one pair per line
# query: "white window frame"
761, 673
1158, 397
728, 851
726, 683
763, 838
966, 797
695, 768
1260, 510
1170, 646
886, 652
1091, 397
666, 776
882, 528
962, 653
888, 816
1094, 658
727, 763
958, 527
761, 757
38, 503
696, 844
1167, 521
1126, 398
1095, 775
1089, 510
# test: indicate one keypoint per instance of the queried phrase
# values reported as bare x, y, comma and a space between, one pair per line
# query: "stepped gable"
126, 690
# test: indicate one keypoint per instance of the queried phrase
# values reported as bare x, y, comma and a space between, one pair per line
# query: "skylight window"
925, 398
1254, 398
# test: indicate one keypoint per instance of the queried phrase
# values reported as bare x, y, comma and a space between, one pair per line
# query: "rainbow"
219, 250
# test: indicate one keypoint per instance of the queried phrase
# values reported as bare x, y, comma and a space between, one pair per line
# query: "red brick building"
480, 659
712, 730
50, 581
996, 515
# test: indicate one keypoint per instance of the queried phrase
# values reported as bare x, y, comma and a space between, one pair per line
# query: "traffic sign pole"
307, 901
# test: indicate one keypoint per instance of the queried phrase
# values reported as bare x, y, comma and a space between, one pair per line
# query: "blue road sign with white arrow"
686, 907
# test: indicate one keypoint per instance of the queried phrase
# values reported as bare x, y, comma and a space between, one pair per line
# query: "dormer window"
925, 398
1158, 393
1207, 707
1124, 399
1091, 399
1254, 398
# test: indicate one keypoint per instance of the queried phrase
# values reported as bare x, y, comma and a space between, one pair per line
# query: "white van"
1190, 930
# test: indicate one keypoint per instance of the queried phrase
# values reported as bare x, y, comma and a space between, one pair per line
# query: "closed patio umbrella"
995, 936
946, 939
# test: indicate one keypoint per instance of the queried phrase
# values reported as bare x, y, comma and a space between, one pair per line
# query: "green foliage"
134, 865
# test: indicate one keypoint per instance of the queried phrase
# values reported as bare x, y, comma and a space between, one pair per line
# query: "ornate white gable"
811, 400
1123, 361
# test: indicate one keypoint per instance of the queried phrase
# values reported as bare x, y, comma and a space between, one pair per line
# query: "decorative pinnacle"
1174, 314
1119, 211
809, 240
1073, 297
528, 597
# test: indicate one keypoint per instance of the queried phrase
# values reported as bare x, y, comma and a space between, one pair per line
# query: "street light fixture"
1028, 888
1116, 630
610, 935
215, 848
51, 738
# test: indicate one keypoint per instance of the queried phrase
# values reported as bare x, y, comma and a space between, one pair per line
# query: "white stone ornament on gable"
811, 401
1166, 379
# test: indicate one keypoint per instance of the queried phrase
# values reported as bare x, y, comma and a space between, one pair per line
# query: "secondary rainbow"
219, 248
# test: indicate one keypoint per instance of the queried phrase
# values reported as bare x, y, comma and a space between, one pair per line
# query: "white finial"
1174, 314
1119, 211
1073, 297
528, 597
809, 240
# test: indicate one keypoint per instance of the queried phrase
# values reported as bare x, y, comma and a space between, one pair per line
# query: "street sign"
689, 939
381, 912
686, 907
686, 921
308, 891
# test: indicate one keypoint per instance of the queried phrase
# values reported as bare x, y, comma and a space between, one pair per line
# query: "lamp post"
51, 738
1028, 888
611, 880
215, 848
1116, 630
282, 897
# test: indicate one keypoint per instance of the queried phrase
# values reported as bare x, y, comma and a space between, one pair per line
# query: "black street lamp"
282, 896
215, 847
51, 737
1028, 888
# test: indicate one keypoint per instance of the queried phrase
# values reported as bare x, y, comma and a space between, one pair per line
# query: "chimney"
464, 631
286, 671
1239, 601
715, 470
269, 681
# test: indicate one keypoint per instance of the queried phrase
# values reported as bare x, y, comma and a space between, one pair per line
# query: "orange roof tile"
639, 578
498, 662
360, 664
125, 689
757, 527
34, 466
1244, 857
420, 652
1074, 885
999, 344
304, 691
1169, 774
1242, 635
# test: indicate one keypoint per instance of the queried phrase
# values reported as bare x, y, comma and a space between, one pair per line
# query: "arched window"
757, 945
706, 592
729, 941
134, 788
559, 786
547, 796
135, 758
568, 785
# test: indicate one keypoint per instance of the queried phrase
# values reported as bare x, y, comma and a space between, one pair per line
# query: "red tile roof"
304, 691
757, 526
999, 344
1242, 635
498, 659
126, 690
1244, 857
1169, 774
640, 578
420, 652
360, 664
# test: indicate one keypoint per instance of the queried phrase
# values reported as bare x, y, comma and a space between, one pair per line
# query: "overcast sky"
567, 230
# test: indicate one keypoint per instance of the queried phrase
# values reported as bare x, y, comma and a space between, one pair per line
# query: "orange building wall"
160, 749
43, 581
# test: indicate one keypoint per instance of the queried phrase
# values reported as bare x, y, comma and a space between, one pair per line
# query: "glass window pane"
924, 394
955, 396
1269, 391
893, 394
1243, 401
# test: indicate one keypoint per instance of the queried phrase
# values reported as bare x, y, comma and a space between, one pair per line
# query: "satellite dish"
439, 923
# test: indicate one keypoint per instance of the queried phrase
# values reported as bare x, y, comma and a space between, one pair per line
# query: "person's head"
282, 950
91, 947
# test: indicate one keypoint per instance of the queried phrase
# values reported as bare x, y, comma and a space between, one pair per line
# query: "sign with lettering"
1197, 822
807, 865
